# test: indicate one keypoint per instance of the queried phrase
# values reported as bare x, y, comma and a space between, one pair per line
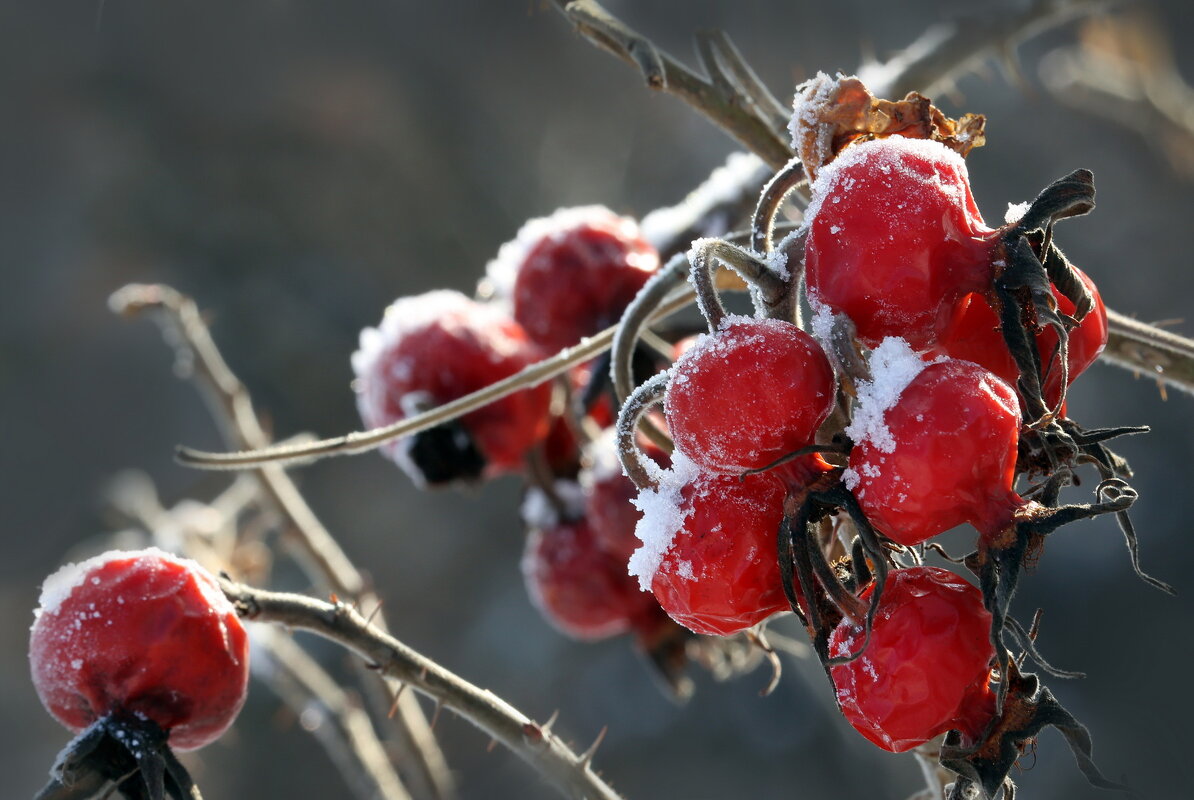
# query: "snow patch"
894, 365
1015, 212
664, 513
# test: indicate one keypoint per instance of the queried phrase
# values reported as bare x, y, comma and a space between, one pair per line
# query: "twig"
721, 101
346, 731
364, 441
931, 62
1149, 350
325, 560
532, 742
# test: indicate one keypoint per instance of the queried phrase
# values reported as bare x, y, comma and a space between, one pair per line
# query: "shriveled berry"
572, 274
943, 453
926, 669
709, 548
749, 394
896, 240
140, 633
434, 348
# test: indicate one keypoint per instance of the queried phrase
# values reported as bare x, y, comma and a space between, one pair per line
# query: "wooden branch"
364, 441
935, 59
535, 743
745, 119
321, 554
1148, 350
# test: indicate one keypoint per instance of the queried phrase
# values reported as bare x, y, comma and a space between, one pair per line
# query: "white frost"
664, 513
1015, 212
894, 364
539, 512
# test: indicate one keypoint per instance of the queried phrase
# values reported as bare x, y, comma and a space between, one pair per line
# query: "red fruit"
750, 393
580, 588
941, 454
974, 335
895, 239
572, 274
709, 548
927, 666
143, 633
434, 348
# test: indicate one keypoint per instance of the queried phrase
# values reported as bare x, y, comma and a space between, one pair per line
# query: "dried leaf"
833, 113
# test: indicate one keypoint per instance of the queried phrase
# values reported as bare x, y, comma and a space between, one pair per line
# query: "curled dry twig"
535, 743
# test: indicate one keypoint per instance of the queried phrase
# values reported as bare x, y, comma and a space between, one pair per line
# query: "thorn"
586, 757
397, 697
551, 721
439, 706
492, 744
374, 613
334, 599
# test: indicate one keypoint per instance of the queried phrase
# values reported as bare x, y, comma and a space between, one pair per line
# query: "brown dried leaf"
833, 113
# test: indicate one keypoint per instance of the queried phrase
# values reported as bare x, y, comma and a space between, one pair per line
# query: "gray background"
296, 165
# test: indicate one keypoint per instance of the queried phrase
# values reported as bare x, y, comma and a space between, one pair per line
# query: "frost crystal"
1015, 212
664, 513
893, 366
742, 174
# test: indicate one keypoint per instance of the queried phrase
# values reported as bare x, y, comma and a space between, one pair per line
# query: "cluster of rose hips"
563, 278
812, 476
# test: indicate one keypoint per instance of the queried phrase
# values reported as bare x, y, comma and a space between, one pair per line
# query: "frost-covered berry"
571, 274
579, 587
436, 347
895, 239
709, 547
140, 633
748, 394
935, 446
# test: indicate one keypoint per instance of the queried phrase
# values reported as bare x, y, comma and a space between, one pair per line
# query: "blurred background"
296, 165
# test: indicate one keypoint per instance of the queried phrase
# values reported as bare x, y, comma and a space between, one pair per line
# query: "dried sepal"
832, 113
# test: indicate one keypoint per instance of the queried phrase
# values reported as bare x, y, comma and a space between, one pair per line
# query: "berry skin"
437, 347
896, 240
720, 572
145, 633
580, 588
747, 395
949, 458
572, 274
927, 665
609, 495
974, 335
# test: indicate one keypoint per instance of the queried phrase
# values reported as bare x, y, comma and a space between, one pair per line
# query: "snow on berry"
893, 366
144, 633
748, 394
948, 455
572, 274
436, 347
895, 238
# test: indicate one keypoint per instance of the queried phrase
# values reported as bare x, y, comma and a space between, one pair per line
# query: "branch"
724, 100
325, 560
1146, 349
533, 742
364, 441
931, 62
345, 730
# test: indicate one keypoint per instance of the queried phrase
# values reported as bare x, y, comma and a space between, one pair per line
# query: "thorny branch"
325, 560
533, 742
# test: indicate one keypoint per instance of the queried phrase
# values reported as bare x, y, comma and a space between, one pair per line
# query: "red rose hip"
140, 633
927, 666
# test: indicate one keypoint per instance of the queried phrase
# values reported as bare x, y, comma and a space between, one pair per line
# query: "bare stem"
720, 101
572, 774
364, 441
1149, 350
322, 555
634, 463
